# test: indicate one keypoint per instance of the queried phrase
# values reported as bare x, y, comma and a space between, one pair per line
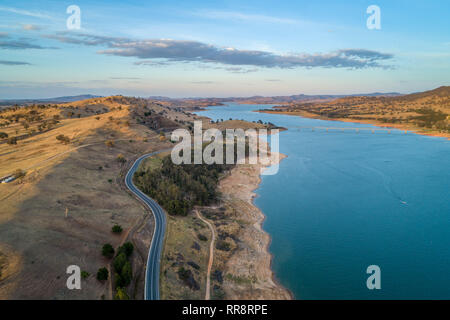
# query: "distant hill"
427, 111
203, 102
9, 102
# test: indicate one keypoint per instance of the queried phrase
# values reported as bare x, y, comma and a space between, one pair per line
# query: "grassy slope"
37, 242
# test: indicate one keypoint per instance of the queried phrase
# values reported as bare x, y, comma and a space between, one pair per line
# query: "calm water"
342, 201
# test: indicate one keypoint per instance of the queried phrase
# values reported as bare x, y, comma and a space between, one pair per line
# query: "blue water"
342, 201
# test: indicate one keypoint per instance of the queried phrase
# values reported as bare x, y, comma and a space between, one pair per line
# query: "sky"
221, 48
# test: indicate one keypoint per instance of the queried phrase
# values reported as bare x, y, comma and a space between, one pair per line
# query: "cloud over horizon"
195, 51
19, 44
13, 63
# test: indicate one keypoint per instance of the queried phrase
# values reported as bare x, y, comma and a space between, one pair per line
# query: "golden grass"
83, 177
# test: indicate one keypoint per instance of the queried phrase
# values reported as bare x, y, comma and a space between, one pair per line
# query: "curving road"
154, 256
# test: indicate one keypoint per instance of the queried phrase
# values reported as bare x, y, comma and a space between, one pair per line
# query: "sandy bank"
400, 126
249, 266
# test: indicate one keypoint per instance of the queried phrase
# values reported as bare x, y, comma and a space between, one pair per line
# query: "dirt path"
211, 255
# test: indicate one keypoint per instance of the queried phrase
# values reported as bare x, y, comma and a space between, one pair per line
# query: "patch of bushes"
122, 266
178, 188
223, 245
188, 278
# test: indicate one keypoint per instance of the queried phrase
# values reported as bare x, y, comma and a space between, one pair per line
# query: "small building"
8, 179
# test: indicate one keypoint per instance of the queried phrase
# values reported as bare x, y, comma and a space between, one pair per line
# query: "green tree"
119, 262
128, 248
108, 250
102, 274
117, 228
118, 280
126, 274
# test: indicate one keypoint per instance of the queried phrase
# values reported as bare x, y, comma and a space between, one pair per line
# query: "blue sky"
222, 48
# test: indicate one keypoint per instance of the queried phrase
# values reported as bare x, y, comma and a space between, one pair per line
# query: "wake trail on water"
387, 182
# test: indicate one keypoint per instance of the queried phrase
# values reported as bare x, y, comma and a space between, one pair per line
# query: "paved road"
154, 255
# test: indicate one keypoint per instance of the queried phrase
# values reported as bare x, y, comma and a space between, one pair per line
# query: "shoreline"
266, 286
253, 197
273, 289
375, 123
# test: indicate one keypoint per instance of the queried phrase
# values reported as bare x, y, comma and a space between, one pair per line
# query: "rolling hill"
426, 112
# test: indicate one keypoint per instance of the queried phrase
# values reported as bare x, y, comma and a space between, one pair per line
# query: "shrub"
109, 143
3, 135
121, 295
121, 158
202, 237
108, 251
12, 140
85, 274
19, 173
62, 138
117, 229
223, 245
102, 274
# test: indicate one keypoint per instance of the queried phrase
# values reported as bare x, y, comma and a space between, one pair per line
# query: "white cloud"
34, 14
245, 17
162, 51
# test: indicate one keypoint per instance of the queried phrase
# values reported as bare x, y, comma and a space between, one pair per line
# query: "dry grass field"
61, 212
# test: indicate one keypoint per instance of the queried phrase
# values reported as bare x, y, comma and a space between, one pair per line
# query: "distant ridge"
277, 99
48, 100
425, 112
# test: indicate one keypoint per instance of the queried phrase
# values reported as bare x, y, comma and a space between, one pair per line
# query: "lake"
343, 201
